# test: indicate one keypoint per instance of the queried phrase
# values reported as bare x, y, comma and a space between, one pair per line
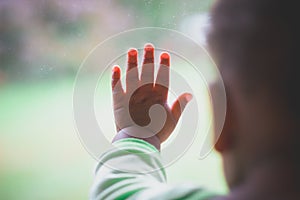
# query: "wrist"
131, 133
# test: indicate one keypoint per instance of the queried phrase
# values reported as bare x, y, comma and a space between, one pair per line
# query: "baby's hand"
143, 93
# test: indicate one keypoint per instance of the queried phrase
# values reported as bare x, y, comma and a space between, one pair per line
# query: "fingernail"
116, 72
115, 69
149, 47
165, 59
132, 52
164, 56
132, 55
149, 53
188, 97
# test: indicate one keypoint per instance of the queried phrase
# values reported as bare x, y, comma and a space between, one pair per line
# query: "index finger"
132, 76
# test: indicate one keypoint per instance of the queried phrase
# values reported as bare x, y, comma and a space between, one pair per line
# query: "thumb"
179, 105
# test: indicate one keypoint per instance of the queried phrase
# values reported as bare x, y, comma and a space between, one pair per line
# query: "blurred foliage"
46, 39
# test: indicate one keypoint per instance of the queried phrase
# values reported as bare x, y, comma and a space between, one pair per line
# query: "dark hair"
259, 41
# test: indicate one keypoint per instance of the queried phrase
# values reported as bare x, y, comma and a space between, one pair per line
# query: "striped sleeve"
133, 170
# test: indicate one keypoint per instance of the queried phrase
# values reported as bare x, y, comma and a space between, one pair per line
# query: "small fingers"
132, 59
147, 75
148, 54
165, 59
116, 83
163, 74
132, 76
164, 70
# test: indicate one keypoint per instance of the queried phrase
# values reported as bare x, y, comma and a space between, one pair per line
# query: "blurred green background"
42, 44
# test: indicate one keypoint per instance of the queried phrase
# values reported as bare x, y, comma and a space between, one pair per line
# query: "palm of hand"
142, 94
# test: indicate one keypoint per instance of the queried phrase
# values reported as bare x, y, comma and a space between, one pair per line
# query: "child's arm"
133, 169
